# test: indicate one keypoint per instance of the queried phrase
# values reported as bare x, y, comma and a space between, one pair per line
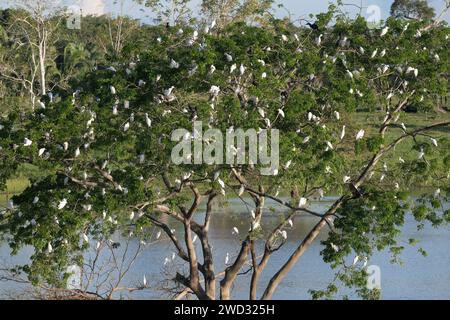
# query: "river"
418, 277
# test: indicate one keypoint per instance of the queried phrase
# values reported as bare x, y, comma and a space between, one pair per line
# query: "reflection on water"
417, 278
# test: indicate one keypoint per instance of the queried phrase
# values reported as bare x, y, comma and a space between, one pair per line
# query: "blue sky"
298, 8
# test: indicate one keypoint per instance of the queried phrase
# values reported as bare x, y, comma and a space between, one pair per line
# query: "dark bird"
313, 26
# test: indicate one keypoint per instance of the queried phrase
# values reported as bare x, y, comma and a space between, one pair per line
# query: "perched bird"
148, 121
144, 281
313, 26
112, 89
302, 202
434, 142
235, 231
35, 200
384, 31
27, 142
126, 127
281, 113
77, 152
346, 179
319, 40
228, 57
241, 190
227, 258
41, 152
360, 134
62, 204
49, 248
284, 234
342, 132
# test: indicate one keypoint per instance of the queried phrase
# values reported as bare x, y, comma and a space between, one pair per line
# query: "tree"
412, 9
106, 153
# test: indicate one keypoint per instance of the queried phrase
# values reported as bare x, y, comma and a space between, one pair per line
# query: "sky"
297, 8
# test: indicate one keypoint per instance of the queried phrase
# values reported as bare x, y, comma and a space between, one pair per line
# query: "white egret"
158, 234
241, 190
382, 177
235, 231
400, 159
437, 192
284, 234
126, 127
27, 142
342, 132
346, 179
434, 141
319, 40
49, 248
85, 238
360, 134
374, 53
281, 112
144, 281
35, 200
233, 68
212, 69
302, 202
337, 115
41, 104
383, 53
131, 215
355, 260
228, 57
403, 126
173, 64
421, 154
242, 69
334, 247
291, 223
227, 258
284, 38
306, 139
221, 183
41, 152
77, 152
62, 204
329, 145
112, 89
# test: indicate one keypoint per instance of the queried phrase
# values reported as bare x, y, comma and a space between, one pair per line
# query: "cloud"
94, 7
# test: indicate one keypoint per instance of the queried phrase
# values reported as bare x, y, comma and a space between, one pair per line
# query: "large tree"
412, 9
105, 153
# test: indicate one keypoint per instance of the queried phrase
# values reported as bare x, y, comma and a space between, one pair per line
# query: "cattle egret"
284, 38
434, 141
221, 183
342, 132
242, 69
437, 192
85, 238
173, 64
228, 57
421, 154
390, 95
334, 247
41, 152
329, 145
319, 40
281, 113
400, 159
62, 204
35, 200
361, 50
144, 281
284, 234
233, 68
346, 179
374, 53
360, 134
241, 190
302, 202
337, 115
291, 224
49, 248
383, 53
126, 127
403, 126
214, 91
212, 69
112, 89
77, 152
306, 139
87, 207
27, 142
65, 145
350, 75
235, 231
41, 104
